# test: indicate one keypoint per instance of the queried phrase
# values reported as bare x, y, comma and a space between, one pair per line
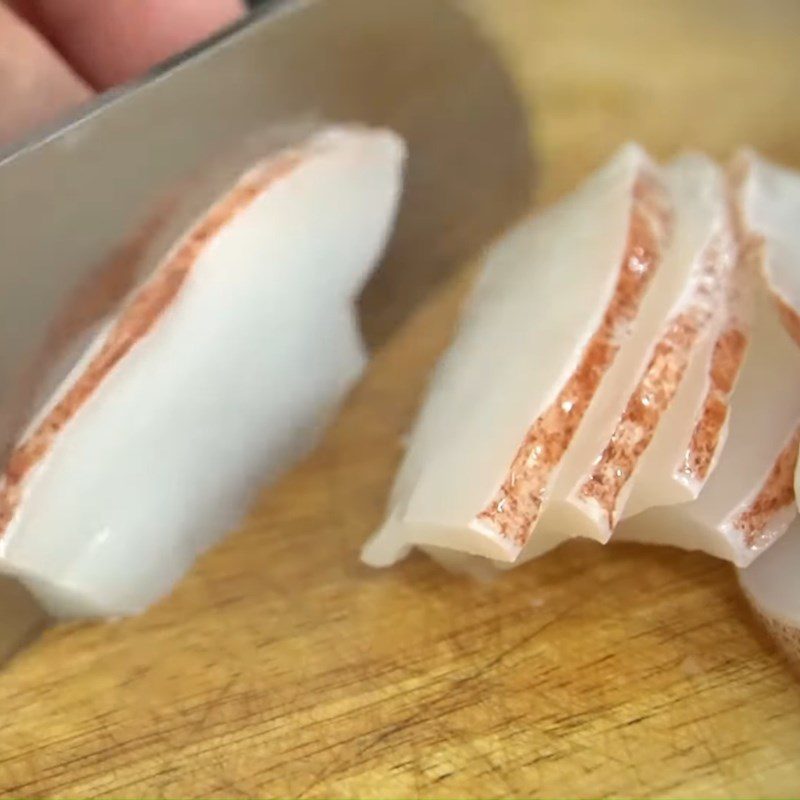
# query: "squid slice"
770, 201
679, 314
686, 445
217, 372
661, 478
691, 342
748, 502
772, 585
555, 305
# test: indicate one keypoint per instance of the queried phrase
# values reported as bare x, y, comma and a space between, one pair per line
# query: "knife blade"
100, 197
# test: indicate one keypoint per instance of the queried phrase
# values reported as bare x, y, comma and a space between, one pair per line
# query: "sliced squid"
772, 585
748, 501
550, 317
218, 371
698, 358
692, 424
680, 312
670, 418
770, 203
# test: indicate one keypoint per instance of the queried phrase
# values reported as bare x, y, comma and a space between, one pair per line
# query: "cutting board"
281, 666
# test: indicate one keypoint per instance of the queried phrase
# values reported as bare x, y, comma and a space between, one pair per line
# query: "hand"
55, 54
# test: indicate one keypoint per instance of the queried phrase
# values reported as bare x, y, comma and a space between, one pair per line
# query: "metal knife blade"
76, 199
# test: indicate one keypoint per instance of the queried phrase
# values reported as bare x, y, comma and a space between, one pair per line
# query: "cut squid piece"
748, 502
770, 200
217, 372
680, 312
677, 418
660, 479
772, 585
556, 303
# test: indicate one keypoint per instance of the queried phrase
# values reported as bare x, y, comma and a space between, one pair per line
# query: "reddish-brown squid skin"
724, 265
137, 319
514, 510
647, 404
775, 495
726, 362
91, 302
658, 385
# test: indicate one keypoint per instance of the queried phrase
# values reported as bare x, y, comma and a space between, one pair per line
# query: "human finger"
110, 41
36, 83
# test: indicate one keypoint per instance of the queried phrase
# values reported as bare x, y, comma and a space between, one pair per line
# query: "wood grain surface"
281, 666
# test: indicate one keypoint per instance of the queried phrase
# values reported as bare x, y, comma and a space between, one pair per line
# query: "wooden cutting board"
282, 666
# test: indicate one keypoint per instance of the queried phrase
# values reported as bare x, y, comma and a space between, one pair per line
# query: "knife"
75, 199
